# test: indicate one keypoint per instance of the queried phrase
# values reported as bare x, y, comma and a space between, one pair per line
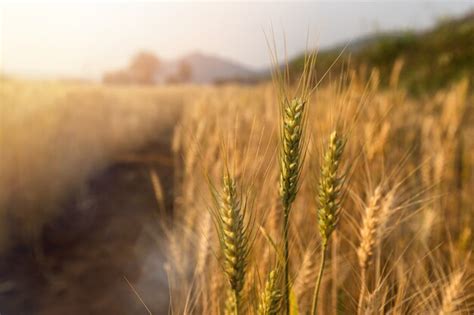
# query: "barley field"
346, 197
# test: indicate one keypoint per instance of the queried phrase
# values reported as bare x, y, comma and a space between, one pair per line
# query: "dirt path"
107, 232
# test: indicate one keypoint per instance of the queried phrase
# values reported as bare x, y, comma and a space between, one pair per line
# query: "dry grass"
54, 136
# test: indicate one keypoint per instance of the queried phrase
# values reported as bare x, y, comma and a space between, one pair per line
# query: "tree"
144, 67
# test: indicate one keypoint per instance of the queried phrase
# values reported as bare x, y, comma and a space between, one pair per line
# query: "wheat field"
389, 207
54, 136
385, 218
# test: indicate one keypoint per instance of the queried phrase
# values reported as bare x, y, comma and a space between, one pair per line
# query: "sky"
83, 39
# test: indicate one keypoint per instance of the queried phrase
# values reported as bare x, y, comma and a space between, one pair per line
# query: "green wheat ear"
234, 240
330, 187
291, 149
329, 197
293, 114
270, 299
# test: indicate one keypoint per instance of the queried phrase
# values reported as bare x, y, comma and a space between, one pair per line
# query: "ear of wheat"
270, 299
306, 275
376, 215
330, 187
291, 150
233, 235
329, 198
452, 294
369, 229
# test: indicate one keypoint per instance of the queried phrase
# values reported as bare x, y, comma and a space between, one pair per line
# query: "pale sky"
85, 38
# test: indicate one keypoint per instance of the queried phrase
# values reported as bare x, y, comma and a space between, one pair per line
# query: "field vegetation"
54, 136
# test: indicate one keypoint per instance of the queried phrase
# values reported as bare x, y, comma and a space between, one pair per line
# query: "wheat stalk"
368, 238
329, 197
373, 228
158, 191
204, 243
293, 113
291, 156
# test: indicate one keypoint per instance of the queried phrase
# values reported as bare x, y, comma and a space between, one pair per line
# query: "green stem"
318, 281
286, 264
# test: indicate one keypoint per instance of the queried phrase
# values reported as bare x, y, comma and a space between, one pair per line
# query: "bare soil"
108, 233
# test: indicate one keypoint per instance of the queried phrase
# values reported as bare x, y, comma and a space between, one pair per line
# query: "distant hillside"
205, 69
432, 59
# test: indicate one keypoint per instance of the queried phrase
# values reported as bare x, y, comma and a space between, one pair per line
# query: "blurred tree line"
145, 69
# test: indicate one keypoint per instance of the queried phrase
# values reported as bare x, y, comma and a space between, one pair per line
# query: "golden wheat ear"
369, 229
454, 293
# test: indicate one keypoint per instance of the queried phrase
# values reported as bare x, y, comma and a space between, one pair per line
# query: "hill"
203, 69
431, 59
